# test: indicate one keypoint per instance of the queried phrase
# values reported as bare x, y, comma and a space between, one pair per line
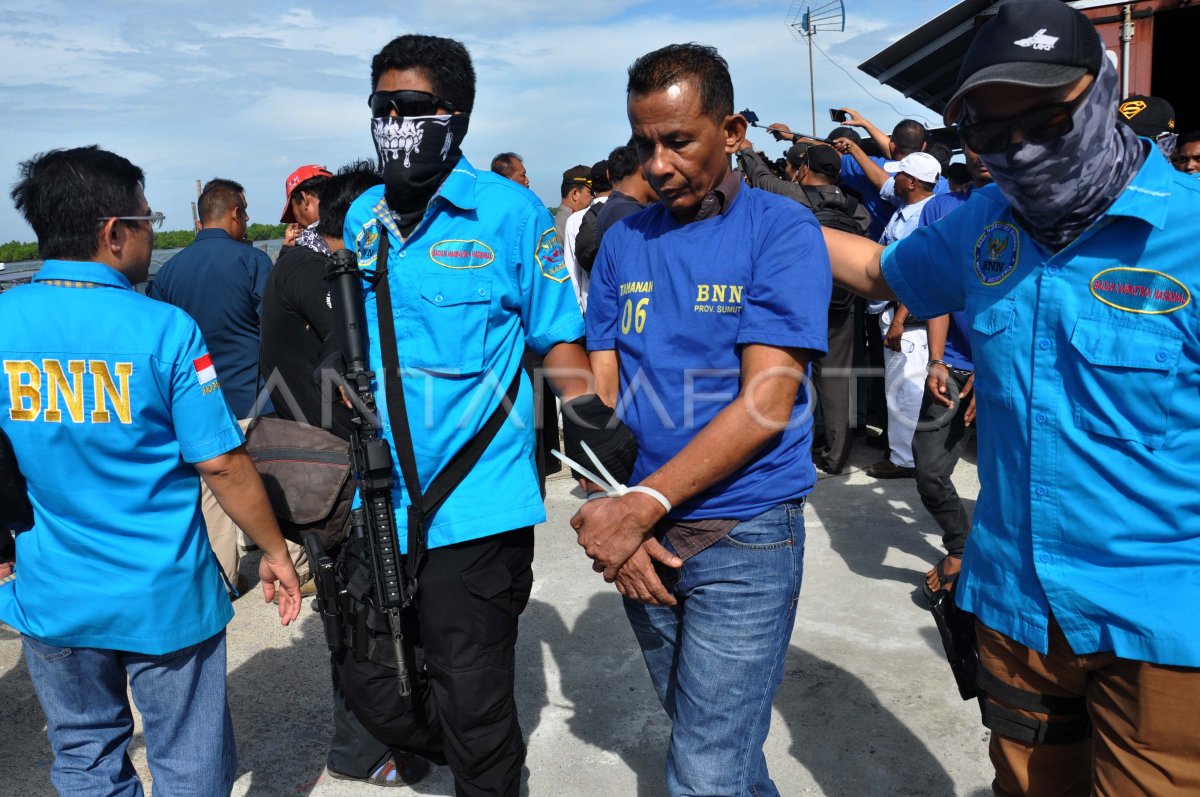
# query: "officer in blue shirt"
475, 274
1077, 281
113, 406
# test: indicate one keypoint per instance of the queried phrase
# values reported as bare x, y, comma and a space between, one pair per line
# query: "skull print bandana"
416, 153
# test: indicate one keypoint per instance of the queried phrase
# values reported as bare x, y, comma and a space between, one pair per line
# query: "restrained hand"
612, 529
937, 383
969, 390
638, 580
894, 334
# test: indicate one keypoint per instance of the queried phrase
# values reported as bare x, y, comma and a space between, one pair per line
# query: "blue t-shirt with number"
678, 302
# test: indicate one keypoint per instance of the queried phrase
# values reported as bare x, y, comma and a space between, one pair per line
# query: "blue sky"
250, 90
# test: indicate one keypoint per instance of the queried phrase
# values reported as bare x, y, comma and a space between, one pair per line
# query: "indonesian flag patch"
205, 372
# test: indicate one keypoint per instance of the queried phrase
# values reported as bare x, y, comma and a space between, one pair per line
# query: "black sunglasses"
1039, 125
407, 103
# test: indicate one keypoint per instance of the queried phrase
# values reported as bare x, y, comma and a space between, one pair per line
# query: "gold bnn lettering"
718, 293
25, 398
107, 390
71, 390
735, 293
701, 293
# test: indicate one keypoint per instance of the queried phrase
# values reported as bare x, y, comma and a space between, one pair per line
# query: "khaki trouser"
1145, 732
228, 541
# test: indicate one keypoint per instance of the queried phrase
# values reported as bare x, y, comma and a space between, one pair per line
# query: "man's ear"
734, 129
111, 237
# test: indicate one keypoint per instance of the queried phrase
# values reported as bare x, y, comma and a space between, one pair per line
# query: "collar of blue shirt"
81, 271
1145, 196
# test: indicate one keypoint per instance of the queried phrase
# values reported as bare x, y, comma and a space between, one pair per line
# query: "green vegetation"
16, 251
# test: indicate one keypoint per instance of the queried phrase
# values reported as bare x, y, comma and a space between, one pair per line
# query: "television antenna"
807, 18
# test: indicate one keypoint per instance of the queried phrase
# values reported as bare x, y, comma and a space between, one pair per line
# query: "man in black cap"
1152, 118
576, 195
1076, 280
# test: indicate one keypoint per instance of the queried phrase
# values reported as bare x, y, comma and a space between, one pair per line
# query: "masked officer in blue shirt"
115, 413
1077, 281
474, 274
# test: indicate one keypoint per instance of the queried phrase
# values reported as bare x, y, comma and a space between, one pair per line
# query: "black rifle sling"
424, 504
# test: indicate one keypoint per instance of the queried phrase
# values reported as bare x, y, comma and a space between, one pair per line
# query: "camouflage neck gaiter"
1061, 187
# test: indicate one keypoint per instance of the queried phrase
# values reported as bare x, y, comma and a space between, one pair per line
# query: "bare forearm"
881, 139
855, 263
605, 367
569, 372
937, 329
237, 487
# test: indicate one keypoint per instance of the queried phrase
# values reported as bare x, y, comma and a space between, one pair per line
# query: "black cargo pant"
937, 445
469, 598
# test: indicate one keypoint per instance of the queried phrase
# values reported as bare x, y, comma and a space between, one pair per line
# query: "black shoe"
886, 469
399, 770
879, 441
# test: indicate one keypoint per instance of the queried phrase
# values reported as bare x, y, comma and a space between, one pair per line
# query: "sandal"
946, 580
398, 770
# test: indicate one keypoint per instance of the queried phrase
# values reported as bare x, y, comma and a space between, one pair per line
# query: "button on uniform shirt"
1087, 363
107, 397
481, 277
677, 302
219, 282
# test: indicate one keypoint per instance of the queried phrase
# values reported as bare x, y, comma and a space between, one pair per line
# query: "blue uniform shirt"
107, 397
678, 302
479, 279
1087, 365
219, 282
958, 345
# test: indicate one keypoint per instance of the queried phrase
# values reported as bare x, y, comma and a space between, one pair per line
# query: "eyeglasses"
156, 219
408, 103
1039, 125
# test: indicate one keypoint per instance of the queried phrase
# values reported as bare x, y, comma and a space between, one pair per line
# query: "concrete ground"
867, 707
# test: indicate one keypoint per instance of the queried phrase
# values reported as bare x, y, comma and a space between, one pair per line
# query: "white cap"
920, 165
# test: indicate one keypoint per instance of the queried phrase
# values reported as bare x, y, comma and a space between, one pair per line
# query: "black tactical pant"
937, 445
469, 598
831, 377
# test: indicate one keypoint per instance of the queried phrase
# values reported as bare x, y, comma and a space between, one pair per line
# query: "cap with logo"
824, 159
294, 179
1040, 44
920, 165
1148, 116
577, 175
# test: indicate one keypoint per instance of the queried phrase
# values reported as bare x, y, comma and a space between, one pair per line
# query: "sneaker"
886, 469
399, 770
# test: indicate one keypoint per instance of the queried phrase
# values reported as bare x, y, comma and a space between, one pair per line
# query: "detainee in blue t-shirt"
1077, 280
704, 313
115, 413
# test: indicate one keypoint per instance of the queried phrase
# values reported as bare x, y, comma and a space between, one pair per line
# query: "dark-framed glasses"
408, 103
156, 219
1040, 125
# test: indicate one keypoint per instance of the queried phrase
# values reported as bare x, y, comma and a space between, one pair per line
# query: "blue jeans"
185, 718
716, 658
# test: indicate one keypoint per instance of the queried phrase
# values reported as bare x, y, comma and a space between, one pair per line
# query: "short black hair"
218, 197
699, 63
908, 136
1187, 138
340, 191
941, 153
600, 179
957, 173
311, 186
65, 194
622, 162
444, 62
503, 164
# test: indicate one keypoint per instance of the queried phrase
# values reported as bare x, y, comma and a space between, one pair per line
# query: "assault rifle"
370, 460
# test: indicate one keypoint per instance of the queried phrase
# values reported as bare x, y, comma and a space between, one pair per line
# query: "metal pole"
812, 82
1126, 36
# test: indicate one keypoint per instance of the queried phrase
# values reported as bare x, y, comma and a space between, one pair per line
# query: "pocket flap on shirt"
443, 292
1107, 342
994, 319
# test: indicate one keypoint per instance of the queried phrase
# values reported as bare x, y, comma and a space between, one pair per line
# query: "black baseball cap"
1148, 116
1036, 43
824, 159
796, 153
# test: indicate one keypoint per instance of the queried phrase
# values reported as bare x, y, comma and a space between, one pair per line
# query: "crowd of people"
1038, 293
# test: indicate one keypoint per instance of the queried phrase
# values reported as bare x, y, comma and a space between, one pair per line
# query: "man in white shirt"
905, 345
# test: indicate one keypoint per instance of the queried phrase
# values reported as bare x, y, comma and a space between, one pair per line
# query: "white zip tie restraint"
613, 488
